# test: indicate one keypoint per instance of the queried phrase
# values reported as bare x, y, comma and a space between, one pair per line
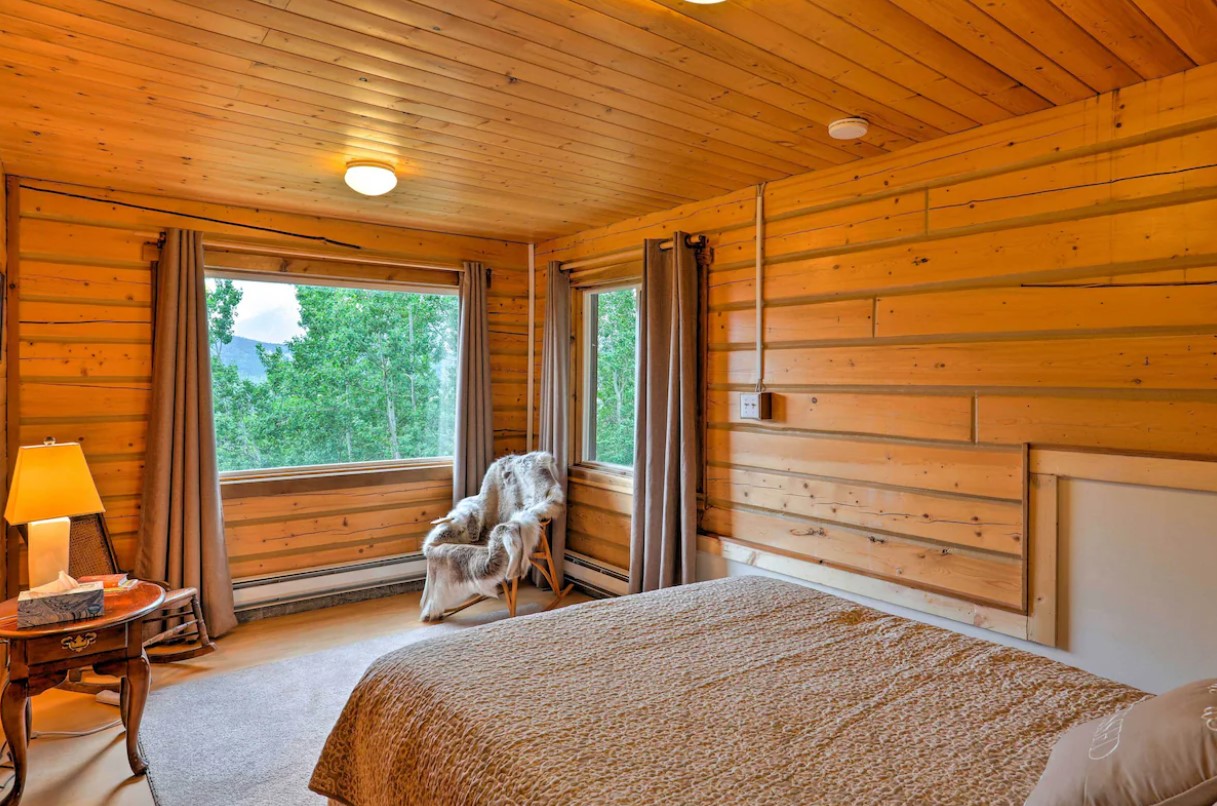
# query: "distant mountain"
243, 354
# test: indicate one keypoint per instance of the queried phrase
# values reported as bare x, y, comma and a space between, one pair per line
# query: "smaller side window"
611, 368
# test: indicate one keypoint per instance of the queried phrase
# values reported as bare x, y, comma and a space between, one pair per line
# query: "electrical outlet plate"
756, 405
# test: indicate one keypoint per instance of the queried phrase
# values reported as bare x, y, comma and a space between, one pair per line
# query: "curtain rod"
623, 255
278, 251
361, 258
179, 214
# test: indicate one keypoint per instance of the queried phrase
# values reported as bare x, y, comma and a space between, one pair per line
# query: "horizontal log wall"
279, 526
1048, 280
8, 565
598, 519
83, 362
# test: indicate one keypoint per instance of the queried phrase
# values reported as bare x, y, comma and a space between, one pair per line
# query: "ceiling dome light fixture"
848, 128
370, 177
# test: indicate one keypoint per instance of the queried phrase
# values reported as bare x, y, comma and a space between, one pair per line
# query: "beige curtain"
474, 449
555, 393
182, 530
663, 540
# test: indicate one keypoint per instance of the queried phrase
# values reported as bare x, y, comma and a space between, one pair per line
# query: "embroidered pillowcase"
1162, 751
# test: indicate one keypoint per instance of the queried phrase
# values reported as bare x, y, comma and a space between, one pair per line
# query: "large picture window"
611, 375
308, 375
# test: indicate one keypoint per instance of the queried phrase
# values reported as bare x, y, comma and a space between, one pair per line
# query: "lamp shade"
51, 481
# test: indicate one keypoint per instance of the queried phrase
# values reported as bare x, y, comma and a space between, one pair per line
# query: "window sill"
604, 469
286, 480
607, 477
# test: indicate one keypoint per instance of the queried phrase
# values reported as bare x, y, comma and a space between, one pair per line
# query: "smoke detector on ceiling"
848, 128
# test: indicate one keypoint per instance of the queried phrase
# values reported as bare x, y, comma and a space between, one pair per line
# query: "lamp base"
49, 542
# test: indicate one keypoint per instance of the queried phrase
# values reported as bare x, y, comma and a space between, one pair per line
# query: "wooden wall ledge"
288, 481
617, 479
1146, 470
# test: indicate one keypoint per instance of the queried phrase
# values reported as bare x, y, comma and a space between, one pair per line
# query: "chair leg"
197, 606
467, 603
544, 562
203, 644
558, 597
510, 590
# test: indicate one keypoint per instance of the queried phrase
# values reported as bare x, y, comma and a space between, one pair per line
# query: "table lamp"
51, 484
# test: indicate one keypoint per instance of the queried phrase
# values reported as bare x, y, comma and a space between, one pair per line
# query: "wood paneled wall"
5, 583
279, 526
599, 515
83, 367
1047, 280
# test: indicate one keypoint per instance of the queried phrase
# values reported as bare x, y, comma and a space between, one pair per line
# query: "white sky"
268, 312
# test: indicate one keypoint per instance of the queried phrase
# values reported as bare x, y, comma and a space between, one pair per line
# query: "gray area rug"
251, 737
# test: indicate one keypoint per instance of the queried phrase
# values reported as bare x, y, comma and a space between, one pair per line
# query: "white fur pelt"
488, 537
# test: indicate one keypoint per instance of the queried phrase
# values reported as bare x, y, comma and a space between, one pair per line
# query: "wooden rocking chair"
543, 560
92, 553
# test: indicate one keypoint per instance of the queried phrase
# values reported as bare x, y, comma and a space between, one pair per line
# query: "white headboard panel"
1137, 550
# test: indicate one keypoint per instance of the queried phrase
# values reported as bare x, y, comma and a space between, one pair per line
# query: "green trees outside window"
329, 375
614, 364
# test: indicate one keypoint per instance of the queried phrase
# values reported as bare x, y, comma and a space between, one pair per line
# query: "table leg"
124, 696
13, 716
135, 684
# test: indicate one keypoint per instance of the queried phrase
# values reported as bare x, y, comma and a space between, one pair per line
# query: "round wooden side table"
39, 658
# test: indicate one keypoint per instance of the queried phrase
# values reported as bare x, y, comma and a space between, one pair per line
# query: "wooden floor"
92, 770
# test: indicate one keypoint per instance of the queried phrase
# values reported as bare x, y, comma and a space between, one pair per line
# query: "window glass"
313, 375
613, 364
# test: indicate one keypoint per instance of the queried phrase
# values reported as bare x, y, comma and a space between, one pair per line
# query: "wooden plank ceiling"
532, 118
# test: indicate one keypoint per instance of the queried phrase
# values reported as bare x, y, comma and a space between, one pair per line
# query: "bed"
739, 691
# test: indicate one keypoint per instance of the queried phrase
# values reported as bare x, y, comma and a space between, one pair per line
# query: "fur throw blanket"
489, 537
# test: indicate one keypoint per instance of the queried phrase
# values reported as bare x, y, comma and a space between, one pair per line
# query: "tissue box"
37, 609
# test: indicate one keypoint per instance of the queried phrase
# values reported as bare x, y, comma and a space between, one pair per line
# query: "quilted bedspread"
740, 691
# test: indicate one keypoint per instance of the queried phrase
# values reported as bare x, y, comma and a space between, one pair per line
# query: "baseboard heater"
596, 578
285, 592
332, 582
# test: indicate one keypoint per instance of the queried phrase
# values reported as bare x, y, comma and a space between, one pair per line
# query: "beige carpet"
251, 737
